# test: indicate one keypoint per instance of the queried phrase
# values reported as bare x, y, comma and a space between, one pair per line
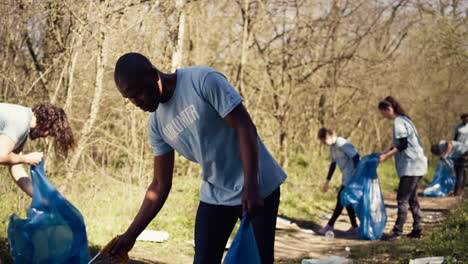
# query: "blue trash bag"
53, 232
364, 194
444, 180
244, 247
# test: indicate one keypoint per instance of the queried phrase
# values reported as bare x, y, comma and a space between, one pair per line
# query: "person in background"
461, 135
458, 152
461, 130
410, 163
17, 123
343, 153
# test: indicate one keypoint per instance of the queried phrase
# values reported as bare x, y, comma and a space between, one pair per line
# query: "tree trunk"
177, 55
95, 105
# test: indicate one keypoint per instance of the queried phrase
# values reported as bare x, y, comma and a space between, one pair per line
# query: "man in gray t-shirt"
17, 123
196, 112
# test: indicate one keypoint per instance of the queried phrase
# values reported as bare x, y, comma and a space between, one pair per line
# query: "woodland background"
299, 64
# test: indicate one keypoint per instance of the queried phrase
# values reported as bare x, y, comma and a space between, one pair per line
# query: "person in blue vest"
458, 152
17, 123
410, 163
196, 112
343, 153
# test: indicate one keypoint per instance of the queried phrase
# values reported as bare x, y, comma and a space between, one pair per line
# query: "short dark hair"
53, 118
463, 116
131, 67
323, 132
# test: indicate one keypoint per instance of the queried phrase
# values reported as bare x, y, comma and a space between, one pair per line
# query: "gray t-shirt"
192, 123
458, 150
462, 133
411, 161
342, 152
14, 123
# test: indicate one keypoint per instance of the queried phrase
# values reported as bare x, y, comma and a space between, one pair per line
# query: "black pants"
214, 224
408, 194
460, 173
339, 209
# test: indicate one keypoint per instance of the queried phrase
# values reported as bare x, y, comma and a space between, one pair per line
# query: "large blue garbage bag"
53, 232
244, 247
444, 180
364, 194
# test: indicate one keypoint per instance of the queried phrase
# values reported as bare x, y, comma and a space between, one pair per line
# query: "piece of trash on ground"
283, 220
325, 217
329, 235
330, 260
429, 260
431, 217
153, 236
307, 231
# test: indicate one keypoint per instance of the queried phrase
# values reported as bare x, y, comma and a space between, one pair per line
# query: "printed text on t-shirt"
181, 121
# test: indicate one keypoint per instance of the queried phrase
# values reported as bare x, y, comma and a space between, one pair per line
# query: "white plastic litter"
153, 236
329, 235
330, 260
307, 231
432, 217
325, 217
283, 220
430, 260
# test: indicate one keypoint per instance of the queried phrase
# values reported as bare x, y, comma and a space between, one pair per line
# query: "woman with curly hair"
17, 122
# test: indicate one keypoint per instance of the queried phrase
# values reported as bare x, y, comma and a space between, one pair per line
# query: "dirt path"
293, 243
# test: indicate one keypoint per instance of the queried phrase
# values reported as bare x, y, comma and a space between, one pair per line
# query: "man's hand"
325, 187
123, 245
251, 202
33, 158
444, 156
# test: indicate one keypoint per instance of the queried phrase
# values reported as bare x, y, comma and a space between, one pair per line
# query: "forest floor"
295, 241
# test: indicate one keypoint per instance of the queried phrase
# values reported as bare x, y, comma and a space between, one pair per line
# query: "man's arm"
154, 200
8, 157
239, 119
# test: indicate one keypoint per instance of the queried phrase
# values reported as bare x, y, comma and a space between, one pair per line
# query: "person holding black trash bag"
17, 123
196, 112
410, 163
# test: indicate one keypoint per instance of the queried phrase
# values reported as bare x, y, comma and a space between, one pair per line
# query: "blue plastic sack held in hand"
444, 180
54, 231
244, 247
364, 194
